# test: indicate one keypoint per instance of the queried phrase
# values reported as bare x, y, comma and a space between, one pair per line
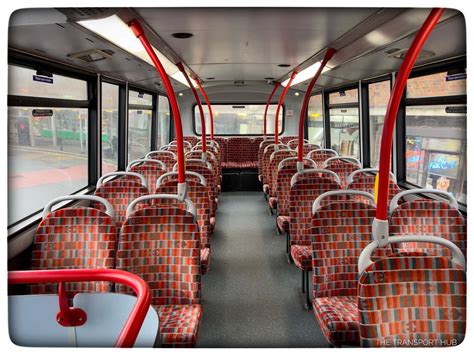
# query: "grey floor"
251, 295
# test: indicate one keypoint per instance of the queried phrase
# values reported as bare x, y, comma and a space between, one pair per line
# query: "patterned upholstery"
342, 168
429, 217
241, 153
301, 254
307, 147
174, 148
208, 174
120, 192
260, 156
320, 157
272, 173
211, 158
74, 238
266, 163
161, 244
198, 194
165, 157
307, 188
192, 139
283, 223
412, 300
151, 172
286, 139
366, 182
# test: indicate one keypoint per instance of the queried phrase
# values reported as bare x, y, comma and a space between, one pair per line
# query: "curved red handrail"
329, 53
280, 102
275, 87
134, 322
140, 34
208, 106
392, 110
198, 101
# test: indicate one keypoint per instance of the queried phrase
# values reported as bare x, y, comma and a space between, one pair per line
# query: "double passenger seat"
319, 156
151, 169
286, 169
293, 144
275, 158
341, 227
307, 147
162, 245
197, 193
77, 237
211, 158
167, 157
267, 153
343, 166
364, 180
261, 148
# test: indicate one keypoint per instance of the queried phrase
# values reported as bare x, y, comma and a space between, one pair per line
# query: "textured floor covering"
251, 296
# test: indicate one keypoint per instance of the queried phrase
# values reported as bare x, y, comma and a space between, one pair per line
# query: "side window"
379, 94
140, 112
316, 120
109, 137
436, 133
47, 145
163, 124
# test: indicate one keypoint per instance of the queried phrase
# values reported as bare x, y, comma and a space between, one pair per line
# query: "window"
140, 115
164, 117
315, 120
240, 119
110, 104
379, 94
344, 122
436, 133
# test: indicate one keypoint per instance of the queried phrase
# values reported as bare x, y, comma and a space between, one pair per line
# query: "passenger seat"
151, 169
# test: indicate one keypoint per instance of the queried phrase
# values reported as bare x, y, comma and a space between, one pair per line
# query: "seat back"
411, 299
211, 158
340, 229
167, 157
428, 217
342, 166
366, 182
261, 148
206, 171
286, 139
307, 147
161, 244
126, 187
74, 238
275, 160
192, 139
267, 153
151, 169
306, 186
319, 156
293, 144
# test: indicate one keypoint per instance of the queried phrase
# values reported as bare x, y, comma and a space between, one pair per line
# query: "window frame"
239, 103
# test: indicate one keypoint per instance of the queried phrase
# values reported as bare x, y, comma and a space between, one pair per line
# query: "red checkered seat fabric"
261, 149
198, 194
286, 139
342, 168
319, 156
192, 139
211, 158
151, 172
340, 230
293, 144
120, 192
429, 217
267, 153
212, 189
167, 157
412, 300
161, 244
74, 238
307, 147
174, 148
275, 160
367, 183
240, 153
307, 187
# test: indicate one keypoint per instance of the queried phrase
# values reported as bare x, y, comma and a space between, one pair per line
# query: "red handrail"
280, 102
277, 84
140, 34
329, 53
198, 101
208, 106
134, 322
392, 110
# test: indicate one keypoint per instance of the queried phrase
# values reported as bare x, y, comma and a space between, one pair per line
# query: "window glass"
139, 133
344, 97
110, 104
139, 98
379, 94
315, 120
28, 82
436, 85
240, 119
345, 131
164, 117
47, 156
436, 148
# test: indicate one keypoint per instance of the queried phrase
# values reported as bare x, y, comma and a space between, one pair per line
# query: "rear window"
240, 119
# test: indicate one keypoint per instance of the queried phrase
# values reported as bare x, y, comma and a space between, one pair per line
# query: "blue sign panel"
42, 79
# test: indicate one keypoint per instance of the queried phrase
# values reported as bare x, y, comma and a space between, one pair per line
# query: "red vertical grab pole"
208, 106
392, 110
140, 34
198, 101
329, 53
277, 84
280, 102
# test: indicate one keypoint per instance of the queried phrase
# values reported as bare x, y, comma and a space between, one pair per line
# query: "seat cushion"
338, 318
302, 256
179, 324
205, 259
266, 188
283, 223
273, 202
212, 222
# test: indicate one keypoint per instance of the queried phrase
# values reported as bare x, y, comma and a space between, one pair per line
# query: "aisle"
251, 295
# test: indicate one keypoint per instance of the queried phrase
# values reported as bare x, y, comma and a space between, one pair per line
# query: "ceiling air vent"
239, 83
401, 53
87, 13
92, 55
